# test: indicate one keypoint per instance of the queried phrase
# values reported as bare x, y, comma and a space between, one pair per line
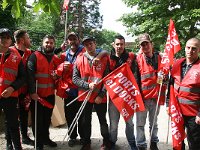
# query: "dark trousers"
23, 117
43, 119
9, 106
70, 113
86, 119
193, 132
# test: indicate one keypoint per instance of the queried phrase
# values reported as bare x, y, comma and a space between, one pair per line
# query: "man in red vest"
64, 85
41, 79
86, 76
149, 66
22, 45
12, 77
185, 77
119, 55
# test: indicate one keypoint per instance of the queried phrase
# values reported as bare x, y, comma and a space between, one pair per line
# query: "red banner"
177, 122
172, 47
123, 91
65, 4
45, 103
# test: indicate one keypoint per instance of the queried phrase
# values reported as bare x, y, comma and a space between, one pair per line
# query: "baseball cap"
73, 34
144, 38
5, 31
88, 38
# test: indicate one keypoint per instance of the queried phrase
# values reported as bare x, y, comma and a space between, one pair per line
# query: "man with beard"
22, 45
40, 68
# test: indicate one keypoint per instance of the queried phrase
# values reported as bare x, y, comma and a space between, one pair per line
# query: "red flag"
65, 4
177, 122
172, 47
124, 92
45, 103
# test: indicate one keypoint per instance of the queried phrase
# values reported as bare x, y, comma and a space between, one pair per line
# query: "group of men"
32, 77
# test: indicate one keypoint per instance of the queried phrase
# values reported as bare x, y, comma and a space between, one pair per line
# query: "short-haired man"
41, 82
12, 77
86, 76
185, 77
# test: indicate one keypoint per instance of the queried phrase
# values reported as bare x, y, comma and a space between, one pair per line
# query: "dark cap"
144, 38
88, 38
72, 34
5, 31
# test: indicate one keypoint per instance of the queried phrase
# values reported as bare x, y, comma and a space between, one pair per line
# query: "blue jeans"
150, 107
114, 117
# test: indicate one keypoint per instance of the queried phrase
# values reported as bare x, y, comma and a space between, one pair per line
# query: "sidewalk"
57, 134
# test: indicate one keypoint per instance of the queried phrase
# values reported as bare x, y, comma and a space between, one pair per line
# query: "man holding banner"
149, 66
185, 77
86, 76
118, 57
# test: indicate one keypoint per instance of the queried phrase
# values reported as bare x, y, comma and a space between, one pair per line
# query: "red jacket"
129, 61
9, 71
187, 90
149, 85
25, 57
91, 73
65, 80
45, 85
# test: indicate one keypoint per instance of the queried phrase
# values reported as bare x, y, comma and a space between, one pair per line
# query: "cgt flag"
172, 47
177, 122
65, 4
123, 91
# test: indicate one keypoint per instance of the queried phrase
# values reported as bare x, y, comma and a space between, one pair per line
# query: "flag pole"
65, 25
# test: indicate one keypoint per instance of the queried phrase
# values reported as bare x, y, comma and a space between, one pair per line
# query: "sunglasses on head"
144, 43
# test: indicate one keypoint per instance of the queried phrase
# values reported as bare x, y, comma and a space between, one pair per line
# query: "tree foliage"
152, 16
17, 6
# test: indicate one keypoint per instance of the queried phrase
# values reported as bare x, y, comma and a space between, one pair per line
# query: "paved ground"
57, 134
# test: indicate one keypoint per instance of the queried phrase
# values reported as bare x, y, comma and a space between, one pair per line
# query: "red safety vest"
65, 80
91, 73
149, 85
129, 61
9, 71
187, 90
24, 58
44, 69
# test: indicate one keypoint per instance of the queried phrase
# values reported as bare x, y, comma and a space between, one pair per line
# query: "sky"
111, 11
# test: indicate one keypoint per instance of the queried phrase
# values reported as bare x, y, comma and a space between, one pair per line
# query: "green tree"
152, 16
17, 6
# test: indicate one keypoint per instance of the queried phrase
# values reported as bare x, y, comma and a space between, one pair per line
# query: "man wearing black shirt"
12, 77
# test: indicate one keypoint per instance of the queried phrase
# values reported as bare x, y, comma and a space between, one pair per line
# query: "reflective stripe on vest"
11, 71
187, 89
148, 87
45, 85
187, 101
146, 76
42, 75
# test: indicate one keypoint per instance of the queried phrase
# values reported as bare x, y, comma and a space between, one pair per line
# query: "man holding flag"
118, 57
149, 63
185, 77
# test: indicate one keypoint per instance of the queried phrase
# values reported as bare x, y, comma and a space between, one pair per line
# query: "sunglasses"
144, 43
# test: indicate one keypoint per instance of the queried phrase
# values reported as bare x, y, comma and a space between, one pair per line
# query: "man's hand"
92, 85
66, 66
34, 96
197, 120
64, 45
167, 110
7, 92
95, 61
98, 100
